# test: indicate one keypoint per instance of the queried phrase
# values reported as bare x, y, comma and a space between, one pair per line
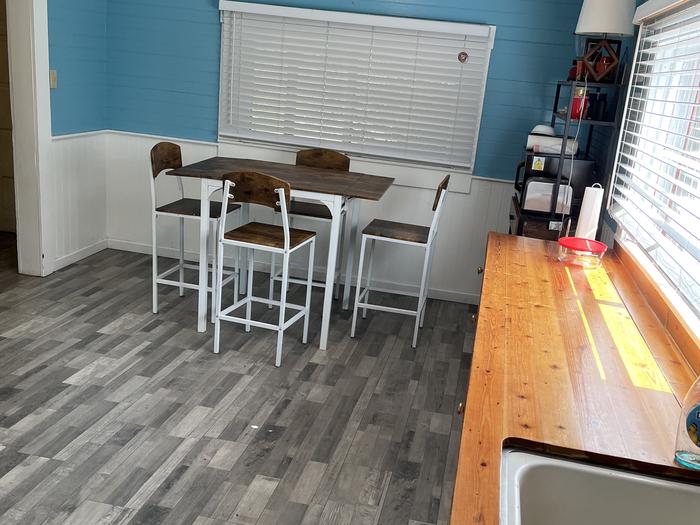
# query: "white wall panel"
128, 193
76, 186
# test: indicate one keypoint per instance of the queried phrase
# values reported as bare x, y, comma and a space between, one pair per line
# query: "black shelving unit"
564, 115
565, 92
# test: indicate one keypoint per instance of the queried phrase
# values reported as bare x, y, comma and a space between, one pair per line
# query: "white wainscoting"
105, 202
76, 185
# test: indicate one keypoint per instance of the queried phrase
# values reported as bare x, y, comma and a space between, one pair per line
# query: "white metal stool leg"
237, 269
283, 304
154, 263
421, 297
218, 279
291, 225
427, 283
358, 286
182, 256
212, 234
273, 264
309, 286
341, 245
250, 253
369, 275
271, 293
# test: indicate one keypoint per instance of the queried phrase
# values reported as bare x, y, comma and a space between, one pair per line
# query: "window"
380, 86
656, 193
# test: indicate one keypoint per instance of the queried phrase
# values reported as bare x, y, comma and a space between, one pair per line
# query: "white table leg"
245, 219
335, 204
203, 256
350, 249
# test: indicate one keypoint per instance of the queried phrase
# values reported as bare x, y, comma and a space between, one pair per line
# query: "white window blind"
656, 193
360, 86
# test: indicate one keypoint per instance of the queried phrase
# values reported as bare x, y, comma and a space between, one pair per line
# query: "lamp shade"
606, 17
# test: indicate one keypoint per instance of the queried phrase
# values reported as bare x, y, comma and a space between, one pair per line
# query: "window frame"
676, 313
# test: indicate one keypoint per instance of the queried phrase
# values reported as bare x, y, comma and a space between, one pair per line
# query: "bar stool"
265, 190
400, 233
315, 158
168, 156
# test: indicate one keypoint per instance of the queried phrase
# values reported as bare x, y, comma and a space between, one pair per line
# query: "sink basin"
540, 490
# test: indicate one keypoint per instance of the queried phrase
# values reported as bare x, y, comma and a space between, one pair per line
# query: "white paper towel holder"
589, 215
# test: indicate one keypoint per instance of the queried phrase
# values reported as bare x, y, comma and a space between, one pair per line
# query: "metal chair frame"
181, 266
277, 275
362, 296
285, 252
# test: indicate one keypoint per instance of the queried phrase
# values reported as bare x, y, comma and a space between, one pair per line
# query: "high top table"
338, 190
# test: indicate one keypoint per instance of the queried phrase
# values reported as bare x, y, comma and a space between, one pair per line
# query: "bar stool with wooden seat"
315, 158
168, 156
269, 191
401, 233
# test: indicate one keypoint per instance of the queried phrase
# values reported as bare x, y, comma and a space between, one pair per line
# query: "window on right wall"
655, 197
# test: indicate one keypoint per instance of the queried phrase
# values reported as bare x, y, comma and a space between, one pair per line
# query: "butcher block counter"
568, 362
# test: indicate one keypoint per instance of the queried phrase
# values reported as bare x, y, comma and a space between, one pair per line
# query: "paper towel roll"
543, 144
590, 212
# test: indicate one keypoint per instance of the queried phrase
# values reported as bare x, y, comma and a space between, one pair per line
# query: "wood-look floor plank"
112, 415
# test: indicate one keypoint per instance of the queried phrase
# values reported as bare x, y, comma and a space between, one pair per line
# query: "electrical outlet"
53, 78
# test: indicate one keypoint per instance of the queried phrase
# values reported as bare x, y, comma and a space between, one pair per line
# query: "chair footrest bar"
243, 320
402, 311
228, 279
189, 266
177, 284
289, 322
265, 300
246, 300
168, 272
302, 280
210, 268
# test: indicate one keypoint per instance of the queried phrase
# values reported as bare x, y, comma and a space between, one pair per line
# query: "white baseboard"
66, 260
319, 272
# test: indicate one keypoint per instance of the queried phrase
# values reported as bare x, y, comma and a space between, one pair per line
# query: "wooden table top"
303, 178
568, 362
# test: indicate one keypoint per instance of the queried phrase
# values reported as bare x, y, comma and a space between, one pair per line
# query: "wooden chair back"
323, 158
165, 156
441, 187
257, 188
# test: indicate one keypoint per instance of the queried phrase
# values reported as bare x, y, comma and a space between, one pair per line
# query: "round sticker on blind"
463, 57
692, 424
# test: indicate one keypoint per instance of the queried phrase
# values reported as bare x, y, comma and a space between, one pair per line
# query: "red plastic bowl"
583, 245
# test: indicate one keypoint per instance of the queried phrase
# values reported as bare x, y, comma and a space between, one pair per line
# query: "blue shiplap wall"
162, 65
163, 71
77, 49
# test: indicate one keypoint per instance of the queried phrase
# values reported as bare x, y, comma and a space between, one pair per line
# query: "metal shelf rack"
564, 115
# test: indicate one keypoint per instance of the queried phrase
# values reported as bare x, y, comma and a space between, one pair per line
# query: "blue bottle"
688, 436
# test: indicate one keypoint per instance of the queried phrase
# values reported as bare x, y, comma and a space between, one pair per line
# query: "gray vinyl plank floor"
110, 414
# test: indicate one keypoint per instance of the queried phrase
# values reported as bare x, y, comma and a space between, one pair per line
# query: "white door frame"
28, 53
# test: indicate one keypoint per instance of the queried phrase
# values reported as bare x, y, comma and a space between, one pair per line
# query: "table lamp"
601, 18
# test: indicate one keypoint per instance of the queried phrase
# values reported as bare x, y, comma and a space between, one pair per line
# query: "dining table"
340, 191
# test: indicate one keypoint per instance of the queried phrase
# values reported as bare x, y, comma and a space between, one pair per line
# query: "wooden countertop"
567, 361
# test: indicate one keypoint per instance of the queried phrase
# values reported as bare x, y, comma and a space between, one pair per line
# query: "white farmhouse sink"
539, 490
